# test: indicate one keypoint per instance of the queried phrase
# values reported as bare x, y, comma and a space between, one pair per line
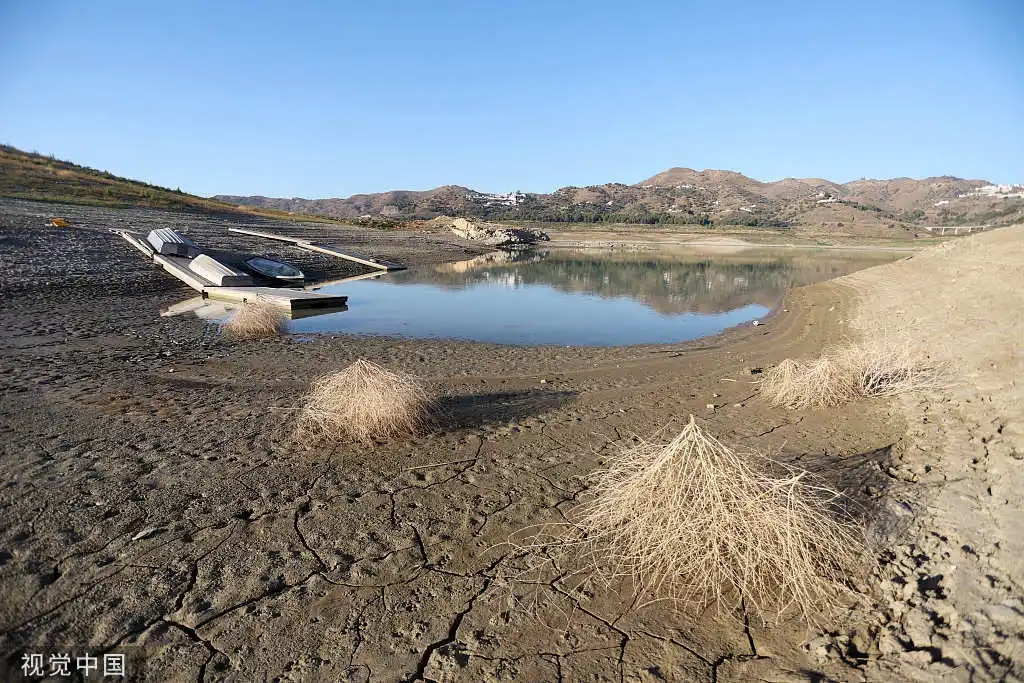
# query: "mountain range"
686, 196
676, 196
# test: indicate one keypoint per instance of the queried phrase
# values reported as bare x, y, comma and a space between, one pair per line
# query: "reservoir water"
581, 297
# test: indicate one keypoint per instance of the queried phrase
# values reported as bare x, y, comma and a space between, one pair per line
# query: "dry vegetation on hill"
28, 175
683, 196
679, 196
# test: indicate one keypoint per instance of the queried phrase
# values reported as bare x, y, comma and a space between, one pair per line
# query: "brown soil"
156, 502
954, 586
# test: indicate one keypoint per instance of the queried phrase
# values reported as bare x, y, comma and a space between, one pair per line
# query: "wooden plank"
321, 248
267, 235
331, 251
288, 299
136, 242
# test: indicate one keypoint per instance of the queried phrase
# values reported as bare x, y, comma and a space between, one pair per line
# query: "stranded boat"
167, 242
183, 258
275, 270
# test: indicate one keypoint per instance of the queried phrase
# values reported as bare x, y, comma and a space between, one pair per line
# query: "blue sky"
336, 98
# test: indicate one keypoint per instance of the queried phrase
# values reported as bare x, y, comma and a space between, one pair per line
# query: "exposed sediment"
155, 495
953, 582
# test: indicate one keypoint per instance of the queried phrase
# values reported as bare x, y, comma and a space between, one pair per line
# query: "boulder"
497, 235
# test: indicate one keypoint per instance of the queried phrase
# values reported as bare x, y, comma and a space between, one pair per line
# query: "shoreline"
739, 245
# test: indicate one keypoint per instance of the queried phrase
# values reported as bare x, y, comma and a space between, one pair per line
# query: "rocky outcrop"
497, 235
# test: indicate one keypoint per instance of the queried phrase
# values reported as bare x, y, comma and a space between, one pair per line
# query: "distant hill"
686, 196
27, 175
676, 196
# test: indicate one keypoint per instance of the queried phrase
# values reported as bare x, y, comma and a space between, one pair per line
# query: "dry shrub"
885, 368
875, 368
778, 384
254, 321
823, 383
694, 522
365, 402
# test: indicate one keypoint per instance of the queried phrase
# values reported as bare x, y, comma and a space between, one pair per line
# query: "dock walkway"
322, 248
282, 297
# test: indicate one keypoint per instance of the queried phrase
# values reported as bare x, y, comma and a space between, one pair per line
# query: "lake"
582, 297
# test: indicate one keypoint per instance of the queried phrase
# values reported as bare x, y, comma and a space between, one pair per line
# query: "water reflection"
567, 297
669, 282
580, 297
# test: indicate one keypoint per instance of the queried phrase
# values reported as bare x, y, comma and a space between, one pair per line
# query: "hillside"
686, 196
676, 196
26, 175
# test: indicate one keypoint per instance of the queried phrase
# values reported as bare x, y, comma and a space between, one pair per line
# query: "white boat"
218, 273
167, 242
275, 270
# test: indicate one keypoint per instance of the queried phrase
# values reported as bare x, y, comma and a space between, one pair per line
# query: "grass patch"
254, 321
365, 402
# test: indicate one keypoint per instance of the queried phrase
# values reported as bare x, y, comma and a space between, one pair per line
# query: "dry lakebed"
156, 501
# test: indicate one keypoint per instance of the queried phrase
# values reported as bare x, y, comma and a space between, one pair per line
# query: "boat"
167, 242
276, 271
218, 273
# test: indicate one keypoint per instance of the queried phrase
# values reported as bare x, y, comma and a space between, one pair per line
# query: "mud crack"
450, 638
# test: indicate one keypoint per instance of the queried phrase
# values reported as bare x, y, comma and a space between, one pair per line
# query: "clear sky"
330, 99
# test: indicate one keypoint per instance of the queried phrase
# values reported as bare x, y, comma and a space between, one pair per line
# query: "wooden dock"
322, 248
209, 308
282, 297
290, 299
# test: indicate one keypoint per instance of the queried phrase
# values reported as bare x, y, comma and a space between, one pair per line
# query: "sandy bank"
960, 463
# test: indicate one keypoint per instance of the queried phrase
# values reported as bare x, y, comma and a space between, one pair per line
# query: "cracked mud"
175, 513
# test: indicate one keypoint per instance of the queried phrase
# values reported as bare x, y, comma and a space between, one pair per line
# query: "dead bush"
778, 384
886, 368
874, 368
254, 321
823, 383
695, 522
365, 402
